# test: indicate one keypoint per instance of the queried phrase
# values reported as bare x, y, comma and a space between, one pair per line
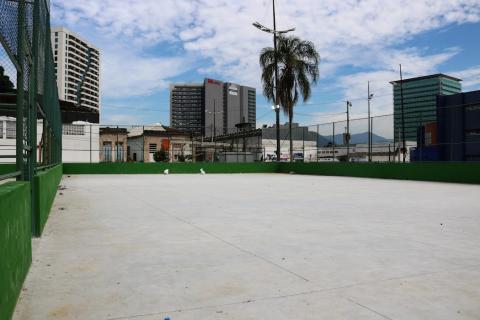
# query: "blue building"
455, 136
458, 126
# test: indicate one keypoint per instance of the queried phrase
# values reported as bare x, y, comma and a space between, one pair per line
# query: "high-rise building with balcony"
77, 68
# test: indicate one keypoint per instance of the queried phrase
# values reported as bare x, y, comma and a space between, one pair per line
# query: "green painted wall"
45, 189
147, 168
467, 172
15, 243
6, 168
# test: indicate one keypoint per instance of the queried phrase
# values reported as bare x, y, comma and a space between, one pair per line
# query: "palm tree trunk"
290, 118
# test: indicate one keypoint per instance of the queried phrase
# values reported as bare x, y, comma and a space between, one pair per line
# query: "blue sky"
147, 44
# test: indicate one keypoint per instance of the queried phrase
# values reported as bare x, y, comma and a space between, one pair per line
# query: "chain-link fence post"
20, 89
91, 143
333, 142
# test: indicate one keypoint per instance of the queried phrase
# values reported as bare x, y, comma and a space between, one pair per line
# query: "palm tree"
297, 70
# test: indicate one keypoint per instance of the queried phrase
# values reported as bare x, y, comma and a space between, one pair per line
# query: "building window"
152, 147
11, 130
107, 151
119, 152
1, 129
73, 130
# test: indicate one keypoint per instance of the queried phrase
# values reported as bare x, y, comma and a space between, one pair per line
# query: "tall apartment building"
419, 101
186, 107
77, 68
212, 108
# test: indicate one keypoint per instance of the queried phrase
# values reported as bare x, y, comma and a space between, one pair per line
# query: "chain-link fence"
318, 143
341, 141
28, 90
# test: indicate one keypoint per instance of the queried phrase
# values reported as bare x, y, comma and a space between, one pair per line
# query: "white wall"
82, 146
270, 147
76, 144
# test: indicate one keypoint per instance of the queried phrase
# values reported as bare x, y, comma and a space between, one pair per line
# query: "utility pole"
143, 143
303, 145
371, 139
117, 149
214, 120
90, 143
404, 147
333, 141
369, 97
214, 131
347, 136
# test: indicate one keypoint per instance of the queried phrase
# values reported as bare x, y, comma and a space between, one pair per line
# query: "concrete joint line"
367, 308
223, 240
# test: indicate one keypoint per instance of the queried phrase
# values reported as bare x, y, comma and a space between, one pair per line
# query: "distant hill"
355, 139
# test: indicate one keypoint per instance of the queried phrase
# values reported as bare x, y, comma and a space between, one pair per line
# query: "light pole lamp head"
370, 96
257, 25
286, 31
261, 27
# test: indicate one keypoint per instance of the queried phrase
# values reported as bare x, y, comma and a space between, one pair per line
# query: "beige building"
77, 68
144, 142
113, 145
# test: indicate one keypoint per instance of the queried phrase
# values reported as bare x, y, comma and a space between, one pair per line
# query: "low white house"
79, 139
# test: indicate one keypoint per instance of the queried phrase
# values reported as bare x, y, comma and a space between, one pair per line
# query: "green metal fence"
28, 89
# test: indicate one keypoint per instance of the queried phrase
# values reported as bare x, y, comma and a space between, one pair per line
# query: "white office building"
77, 67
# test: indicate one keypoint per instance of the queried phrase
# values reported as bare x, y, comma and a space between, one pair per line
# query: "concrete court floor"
256, 246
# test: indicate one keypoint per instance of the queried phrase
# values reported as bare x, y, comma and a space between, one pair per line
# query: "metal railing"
92, 143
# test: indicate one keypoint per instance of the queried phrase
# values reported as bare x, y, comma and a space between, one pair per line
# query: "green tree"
297, 71
5, 84
160, 156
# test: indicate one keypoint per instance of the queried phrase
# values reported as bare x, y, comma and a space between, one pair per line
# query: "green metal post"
33, 92
20, 89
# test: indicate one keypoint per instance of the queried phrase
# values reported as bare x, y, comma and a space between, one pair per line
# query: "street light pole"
277, 110
276, 99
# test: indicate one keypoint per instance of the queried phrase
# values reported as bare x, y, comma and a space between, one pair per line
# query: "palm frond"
297, 70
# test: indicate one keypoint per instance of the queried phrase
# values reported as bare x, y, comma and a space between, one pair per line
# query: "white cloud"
415, 63
130, 74
120, 119
470, 77
364, 34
